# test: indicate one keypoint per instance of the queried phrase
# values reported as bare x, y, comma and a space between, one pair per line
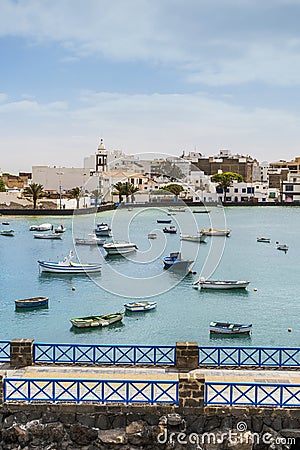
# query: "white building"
56, 178
291, 188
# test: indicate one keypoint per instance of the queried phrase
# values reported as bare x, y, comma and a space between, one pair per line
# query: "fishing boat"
164, 220
176, 263
214, 232
34, 302
152, 236
68, 266
102, 229
42, 227
7, 232
93, 240
219, 284
263, 239
140, 306
176, 210
229, 328
5, 223
193, 237
170, 230
201, 211
47, 236
97, 321
60, 229
282, 247
119, 248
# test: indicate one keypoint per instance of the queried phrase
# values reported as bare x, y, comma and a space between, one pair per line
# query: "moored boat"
176, 209
282, 247
220, 284
119, 248
164, 220
176, 263
68, 266
47, 236
193, 237
93, 240
5, 223
34, 302
60, 229
201, 211
97, 321
214, 232
263, 239
42, 227
229, 328
140, 306
170, 230
7, 232
102, 229
152, 236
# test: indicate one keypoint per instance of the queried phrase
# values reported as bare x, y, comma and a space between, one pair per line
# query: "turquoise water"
183, 313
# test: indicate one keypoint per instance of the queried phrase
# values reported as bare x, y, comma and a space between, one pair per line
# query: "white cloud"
142, 123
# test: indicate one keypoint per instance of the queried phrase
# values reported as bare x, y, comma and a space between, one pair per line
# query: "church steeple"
101, 157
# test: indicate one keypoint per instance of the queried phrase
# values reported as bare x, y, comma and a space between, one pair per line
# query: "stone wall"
91, 427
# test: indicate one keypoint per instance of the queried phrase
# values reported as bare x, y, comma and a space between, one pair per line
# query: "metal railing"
249, 356
90, 390
104, 354
4, 351
252, 394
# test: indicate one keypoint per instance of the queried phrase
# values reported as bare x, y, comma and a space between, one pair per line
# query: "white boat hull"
53, 267
119, 249
140, 306
193, 238
79, 241
221, 285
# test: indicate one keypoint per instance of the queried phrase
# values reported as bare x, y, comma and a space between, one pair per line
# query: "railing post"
1, 389
21, 352
191, 390
187, 356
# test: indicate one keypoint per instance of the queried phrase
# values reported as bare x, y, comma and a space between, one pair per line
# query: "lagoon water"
271, 302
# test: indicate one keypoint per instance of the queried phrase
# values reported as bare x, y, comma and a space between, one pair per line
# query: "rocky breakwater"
135, 428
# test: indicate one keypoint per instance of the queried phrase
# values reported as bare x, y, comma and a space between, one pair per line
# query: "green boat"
7, 232
97, 321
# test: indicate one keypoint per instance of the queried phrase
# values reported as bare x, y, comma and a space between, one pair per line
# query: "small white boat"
93, 240
60, 229
214, 232
119, 248
263, 239
282, 247
176, 210
193, 237
219, 284
229, 328
47, 236
42, 227
140, 306
152, 236
102, 229
68, 266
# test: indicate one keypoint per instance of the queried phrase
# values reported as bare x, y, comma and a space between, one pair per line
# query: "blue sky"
148, 76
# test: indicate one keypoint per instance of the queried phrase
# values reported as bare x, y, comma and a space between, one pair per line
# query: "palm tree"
35, 191
129, 190
119, 187
96, 194
225, 179
76, 193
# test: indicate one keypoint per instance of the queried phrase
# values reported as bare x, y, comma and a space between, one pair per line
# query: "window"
289, 187
243, 190
219, 190
250, 190
236, 190
197, 198
228, 199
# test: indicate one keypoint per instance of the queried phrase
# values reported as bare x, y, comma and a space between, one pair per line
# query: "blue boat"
164, 221
176, 263
34, 302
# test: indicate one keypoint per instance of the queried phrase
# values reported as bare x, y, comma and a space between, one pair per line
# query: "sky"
162, 76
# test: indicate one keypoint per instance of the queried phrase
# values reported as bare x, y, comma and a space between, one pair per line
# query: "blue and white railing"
252, 394
4, 351
90, 390
249, 356
104, 354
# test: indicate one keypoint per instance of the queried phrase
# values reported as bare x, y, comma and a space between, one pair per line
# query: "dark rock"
137, 432
102, 422
9, 421
195, 424
86, 419
48, 417
119, 421
33, 415
117, 436
67, 419
21, 417
35, 428
82, 435
151, 419
212, 423
257, 424
54, 431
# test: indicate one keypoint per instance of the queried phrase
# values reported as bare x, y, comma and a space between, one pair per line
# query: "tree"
2, 185
126, 189
76, 193
119, 187
97, 195
174, 188
225, 180
34, 190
